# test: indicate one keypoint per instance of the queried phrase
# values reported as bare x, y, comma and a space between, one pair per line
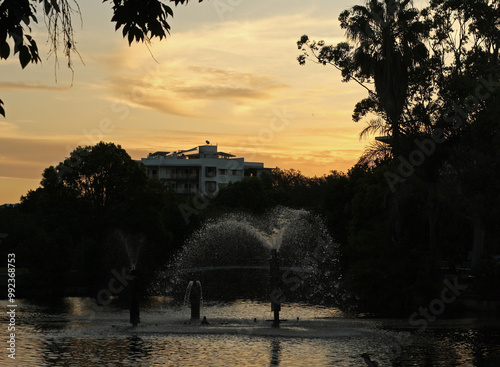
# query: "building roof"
218, 154
157, 154
201, 151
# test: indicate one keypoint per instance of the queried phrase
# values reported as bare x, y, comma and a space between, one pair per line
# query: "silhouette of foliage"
77, 221
249, 194
143, 20
432, 77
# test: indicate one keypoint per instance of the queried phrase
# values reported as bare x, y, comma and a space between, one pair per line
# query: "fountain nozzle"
275, 287
193, 293
134, 298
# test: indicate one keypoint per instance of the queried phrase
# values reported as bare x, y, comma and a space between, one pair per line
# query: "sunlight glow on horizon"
218, 80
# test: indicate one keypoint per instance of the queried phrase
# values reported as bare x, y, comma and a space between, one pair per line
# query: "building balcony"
186, 176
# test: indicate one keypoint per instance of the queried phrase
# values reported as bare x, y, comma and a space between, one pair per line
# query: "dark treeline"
69, 233
421, 202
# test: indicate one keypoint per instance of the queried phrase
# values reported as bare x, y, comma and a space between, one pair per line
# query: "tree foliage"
436, 73
89, 211
387, 46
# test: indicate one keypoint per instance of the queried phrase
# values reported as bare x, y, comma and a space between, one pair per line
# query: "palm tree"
386, 45
388, 38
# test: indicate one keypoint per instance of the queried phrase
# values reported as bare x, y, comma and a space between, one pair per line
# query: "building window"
193, 173
222, 172
210, 171
235, 172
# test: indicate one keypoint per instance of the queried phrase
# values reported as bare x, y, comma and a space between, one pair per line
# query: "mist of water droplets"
230, 256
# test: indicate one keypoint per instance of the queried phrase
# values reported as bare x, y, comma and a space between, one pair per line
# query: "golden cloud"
31, 86
190, 91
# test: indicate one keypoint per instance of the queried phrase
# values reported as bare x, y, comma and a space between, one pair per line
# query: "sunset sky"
227, 73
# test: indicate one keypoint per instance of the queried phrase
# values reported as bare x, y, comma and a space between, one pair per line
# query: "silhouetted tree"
248, 194
292, 188
388, 39
422, 70
90, 208
466, 38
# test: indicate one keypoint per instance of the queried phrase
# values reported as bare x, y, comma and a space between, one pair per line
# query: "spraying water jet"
238, 256
132, 245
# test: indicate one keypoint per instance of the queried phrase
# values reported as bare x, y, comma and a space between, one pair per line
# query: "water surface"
75, 332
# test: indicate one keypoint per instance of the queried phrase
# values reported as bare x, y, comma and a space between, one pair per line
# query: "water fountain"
132, 245
231, 258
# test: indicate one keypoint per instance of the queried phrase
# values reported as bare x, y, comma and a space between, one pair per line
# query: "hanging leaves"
143, 20
15, 18
4, 50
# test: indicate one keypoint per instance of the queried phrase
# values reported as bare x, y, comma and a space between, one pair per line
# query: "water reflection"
66, 333
275, 352
139, 350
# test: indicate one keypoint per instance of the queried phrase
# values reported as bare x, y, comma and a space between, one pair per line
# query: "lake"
74, 331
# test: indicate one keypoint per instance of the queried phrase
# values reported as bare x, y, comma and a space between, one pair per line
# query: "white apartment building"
202, 170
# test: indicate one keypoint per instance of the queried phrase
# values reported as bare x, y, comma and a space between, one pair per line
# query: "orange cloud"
189, 91
31, 86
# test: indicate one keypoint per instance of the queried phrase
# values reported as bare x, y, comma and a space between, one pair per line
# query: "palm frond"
374, 126
374, 152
